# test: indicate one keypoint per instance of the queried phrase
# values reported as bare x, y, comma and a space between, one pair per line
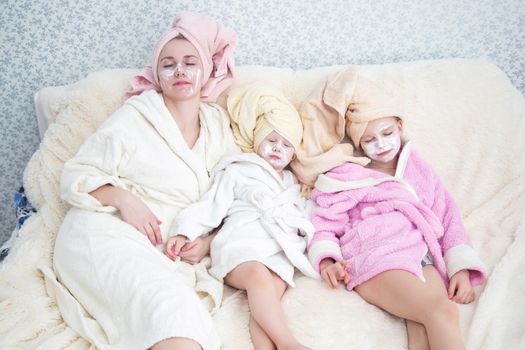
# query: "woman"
146, 162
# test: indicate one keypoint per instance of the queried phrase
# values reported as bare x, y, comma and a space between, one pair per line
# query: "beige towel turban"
369, 102
258, 109
323, 116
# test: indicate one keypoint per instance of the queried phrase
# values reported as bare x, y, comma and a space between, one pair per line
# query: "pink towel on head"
214, 43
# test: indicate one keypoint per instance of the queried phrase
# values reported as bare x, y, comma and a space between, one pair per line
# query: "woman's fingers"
148, 232
142, 230
156, 230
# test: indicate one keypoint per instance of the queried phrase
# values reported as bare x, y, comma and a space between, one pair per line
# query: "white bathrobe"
264, 216
134, 292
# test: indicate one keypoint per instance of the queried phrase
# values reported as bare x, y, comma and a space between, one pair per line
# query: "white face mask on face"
180, 70
182, 77
382, 147
276, 150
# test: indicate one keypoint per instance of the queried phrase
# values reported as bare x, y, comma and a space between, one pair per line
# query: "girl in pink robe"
391, 232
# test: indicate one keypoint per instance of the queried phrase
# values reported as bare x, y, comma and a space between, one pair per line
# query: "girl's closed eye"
388, 131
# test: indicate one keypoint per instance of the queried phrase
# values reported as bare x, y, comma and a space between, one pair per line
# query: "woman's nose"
179, 71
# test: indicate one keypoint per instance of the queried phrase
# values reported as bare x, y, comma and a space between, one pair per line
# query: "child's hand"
174, 246
332, 272
193, 252
460, 290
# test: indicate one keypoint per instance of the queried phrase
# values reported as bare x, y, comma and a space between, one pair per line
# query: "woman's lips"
182, 83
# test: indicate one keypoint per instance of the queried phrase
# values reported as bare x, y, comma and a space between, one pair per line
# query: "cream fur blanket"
463, 116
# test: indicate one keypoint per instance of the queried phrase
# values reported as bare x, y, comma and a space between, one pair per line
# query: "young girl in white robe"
265, 227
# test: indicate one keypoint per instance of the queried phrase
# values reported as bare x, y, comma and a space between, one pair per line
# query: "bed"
464, 116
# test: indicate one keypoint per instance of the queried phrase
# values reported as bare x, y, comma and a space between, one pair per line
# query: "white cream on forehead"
380, 127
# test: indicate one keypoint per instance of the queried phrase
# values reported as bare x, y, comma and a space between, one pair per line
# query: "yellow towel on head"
369, 102
258, 109
323, 117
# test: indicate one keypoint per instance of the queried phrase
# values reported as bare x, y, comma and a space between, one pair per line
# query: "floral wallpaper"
45, 43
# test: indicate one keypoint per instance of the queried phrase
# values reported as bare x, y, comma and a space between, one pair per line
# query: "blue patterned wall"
46, 43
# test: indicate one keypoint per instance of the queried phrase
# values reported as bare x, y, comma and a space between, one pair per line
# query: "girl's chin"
277, 166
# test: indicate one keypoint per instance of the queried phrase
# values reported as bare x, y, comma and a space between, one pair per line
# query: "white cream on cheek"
267, 149
382, 143
190, 74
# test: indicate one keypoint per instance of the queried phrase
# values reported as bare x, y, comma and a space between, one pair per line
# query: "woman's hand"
132, 210
460, 290
194, 252
332, 272
137, 214
174, 245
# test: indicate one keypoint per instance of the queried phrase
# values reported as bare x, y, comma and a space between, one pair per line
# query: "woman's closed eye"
190, 61
174, 64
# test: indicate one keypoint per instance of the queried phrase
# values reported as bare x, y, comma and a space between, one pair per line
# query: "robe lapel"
162, 121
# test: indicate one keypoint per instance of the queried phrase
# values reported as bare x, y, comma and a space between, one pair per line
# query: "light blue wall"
46, 43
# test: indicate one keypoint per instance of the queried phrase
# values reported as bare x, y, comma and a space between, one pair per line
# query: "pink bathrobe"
377, 222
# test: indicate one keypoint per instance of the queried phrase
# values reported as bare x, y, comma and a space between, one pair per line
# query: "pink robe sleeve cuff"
463, 257
321, 250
